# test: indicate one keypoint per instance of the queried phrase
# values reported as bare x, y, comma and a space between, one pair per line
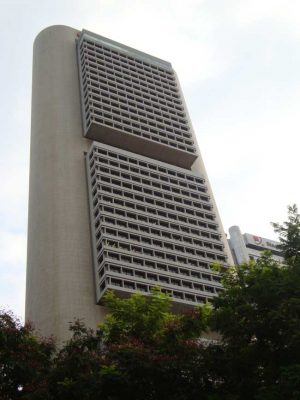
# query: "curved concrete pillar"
60, 283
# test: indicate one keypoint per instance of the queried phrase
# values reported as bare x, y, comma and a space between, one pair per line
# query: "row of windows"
105, 74
140, 95
111, 282
156, 179
151, 225
152, 100
166, 81
183, 178
170, 279
188, 268
178, 242
96, 58
128, 125
117, 246
154, 211
139, 109
139, 178
149, 197
123, 120
158, 108
100, 106
126, 81
158, 102
124, 96
129, 182
137, 256
160, 279
142, 213
111, 71
139, 66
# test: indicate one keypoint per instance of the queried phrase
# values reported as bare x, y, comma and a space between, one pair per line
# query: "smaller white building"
245, 247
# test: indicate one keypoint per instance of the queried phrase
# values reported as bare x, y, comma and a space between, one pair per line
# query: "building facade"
119, 196
245, 247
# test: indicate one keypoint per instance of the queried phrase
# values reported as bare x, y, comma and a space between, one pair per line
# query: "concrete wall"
60, 283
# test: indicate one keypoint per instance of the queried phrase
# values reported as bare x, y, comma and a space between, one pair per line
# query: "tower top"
122, 48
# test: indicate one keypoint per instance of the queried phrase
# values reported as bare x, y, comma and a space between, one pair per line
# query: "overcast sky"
238, 62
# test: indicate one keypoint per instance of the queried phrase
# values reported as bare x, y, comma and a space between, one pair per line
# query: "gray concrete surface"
60, 283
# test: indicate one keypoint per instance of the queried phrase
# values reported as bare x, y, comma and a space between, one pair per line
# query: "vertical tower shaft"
59, 266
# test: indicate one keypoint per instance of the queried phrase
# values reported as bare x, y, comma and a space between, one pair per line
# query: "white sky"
238, 62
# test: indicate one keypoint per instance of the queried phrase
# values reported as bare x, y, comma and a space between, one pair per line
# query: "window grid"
149, 234
186, 271
145, 244
180, 214
165, 226
130, 95
159, 182
114, 159
141, 280
153, 224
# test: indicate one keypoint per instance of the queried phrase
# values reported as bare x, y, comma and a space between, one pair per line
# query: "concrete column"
60, 283
238, 245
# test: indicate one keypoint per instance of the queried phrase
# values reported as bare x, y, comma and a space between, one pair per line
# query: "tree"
258, 317
25, 360
141, 351
289, 235
77, 367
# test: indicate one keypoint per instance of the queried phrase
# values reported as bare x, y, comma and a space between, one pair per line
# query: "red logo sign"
257, 239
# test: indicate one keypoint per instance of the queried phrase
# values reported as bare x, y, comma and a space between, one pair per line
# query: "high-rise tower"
119, 197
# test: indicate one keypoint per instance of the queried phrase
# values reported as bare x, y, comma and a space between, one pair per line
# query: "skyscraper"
119, 197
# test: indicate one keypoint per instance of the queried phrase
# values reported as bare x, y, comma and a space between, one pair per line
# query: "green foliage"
149, 319
151, 348
258, 316
77, 366
137, 317
141, 351
289, 235
25, 360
